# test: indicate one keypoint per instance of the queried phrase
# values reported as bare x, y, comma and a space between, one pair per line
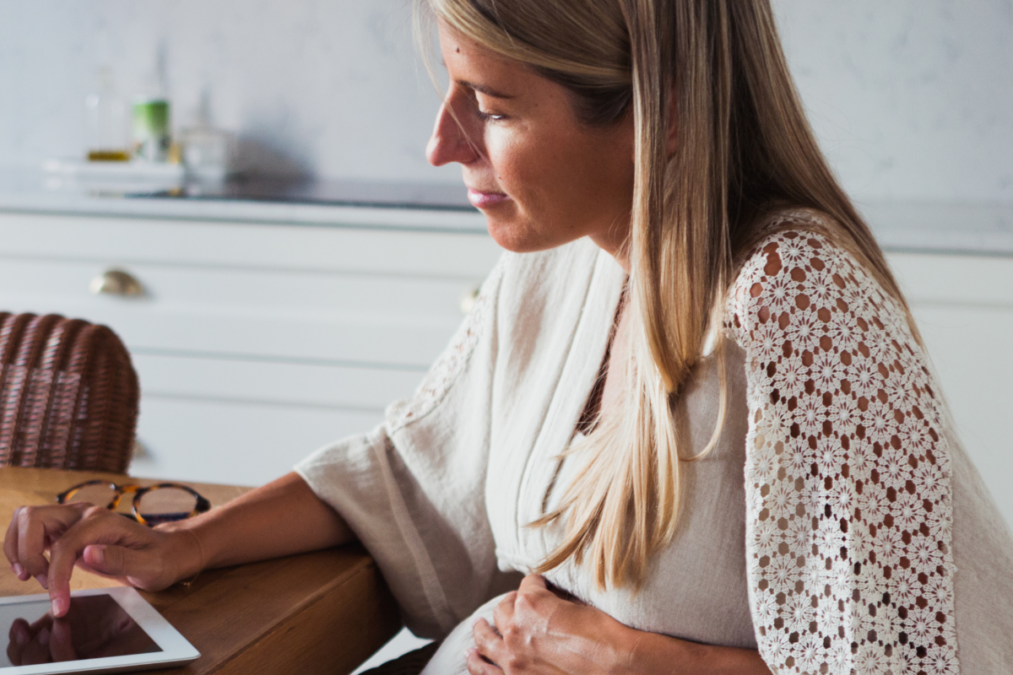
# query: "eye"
488, 116
482, 112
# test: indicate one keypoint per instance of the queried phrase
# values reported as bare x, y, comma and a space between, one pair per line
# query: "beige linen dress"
838, 526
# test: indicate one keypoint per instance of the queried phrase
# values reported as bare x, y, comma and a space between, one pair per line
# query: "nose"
450, 142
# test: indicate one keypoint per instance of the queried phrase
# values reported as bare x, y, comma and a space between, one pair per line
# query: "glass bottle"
108, 135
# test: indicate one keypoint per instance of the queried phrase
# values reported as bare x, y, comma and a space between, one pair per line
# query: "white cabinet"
963, 306
255, 343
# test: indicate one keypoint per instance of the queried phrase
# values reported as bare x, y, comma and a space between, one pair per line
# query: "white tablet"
105, 631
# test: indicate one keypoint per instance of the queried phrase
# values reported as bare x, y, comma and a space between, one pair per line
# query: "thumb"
116, 561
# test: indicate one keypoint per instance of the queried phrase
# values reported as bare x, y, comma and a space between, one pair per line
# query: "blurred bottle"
151, 129
152, 116
108, 139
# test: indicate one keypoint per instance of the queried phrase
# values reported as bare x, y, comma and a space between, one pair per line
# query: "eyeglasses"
152, 504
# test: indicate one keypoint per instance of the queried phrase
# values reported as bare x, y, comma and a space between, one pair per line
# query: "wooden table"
324, 612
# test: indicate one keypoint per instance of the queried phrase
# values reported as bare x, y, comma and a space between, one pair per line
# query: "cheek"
562, 188
516, 162
533, 171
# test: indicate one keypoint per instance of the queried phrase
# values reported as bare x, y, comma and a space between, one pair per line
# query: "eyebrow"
482, 89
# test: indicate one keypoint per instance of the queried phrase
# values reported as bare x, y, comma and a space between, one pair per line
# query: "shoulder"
799, 274
525, 296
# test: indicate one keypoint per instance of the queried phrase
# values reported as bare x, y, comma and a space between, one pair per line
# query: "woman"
695, 301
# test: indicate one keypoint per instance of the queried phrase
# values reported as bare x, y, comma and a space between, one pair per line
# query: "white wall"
911, 98
328, 87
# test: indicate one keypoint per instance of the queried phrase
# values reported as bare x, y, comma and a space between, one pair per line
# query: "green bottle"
151, 129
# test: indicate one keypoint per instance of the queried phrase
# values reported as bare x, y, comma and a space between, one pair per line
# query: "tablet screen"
96, 626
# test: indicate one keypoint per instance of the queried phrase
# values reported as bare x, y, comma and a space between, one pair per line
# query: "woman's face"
541, 178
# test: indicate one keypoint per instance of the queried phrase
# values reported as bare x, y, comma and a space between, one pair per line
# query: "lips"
484, 200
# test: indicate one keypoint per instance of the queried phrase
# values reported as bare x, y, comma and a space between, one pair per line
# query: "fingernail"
59, 606
44, 637
19, 570
20, 637
44, 580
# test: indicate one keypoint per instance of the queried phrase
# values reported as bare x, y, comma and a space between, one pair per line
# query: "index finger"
99, 526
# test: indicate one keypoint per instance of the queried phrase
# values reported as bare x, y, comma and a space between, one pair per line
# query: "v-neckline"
581, 366
588, 421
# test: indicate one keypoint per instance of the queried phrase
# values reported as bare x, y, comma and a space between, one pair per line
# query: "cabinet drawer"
286, 384
234, 443
958, 280
339, 317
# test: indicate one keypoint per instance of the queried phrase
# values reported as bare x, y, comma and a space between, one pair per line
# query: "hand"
538, 632
97, 540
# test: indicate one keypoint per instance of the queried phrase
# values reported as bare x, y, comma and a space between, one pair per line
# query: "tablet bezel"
175, 648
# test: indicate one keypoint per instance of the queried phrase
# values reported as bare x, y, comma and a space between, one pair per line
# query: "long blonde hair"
744, 149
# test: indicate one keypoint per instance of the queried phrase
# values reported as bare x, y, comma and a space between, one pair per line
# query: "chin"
514, 239
518, 236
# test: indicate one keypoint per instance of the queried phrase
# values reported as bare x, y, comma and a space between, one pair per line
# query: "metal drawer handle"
116, 282
468, 299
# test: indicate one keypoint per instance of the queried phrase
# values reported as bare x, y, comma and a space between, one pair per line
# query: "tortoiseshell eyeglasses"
152, 504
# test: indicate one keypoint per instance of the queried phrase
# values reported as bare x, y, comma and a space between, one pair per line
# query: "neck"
616, 242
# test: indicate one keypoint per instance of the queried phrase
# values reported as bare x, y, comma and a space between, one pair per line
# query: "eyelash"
489, 117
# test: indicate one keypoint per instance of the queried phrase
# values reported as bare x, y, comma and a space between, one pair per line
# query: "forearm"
653, 653
281, 518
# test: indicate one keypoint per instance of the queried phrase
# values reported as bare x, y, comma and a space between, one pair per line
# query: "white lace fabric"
848, 484
449, 366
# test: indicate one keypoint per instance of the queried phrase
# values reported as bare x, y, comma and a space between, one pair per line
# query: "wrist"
628, 648
656, 653
185, 553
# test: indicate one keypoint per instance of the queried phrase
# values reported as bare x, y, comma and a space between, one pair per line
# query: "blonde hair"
744, 150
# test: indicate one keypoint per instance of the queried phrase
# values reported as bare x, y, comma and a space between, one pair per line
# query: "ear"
672, 138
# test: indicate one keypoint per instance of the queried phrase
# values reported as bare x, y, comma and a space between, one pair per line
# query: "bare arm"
653, 653
281, 518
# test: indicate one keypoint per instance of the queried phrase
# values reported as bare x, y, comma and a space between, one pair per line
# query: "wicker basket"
68, 394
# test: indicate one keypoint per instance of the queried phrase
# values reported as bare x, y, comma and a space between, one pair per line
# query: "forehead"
470, 61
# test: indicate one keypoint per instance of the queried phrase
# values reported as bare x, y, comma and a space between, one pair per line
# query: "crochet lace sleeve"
847, 472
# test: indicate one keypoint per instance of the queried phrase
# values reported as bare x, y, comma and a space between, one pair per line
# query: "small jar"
206, 152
